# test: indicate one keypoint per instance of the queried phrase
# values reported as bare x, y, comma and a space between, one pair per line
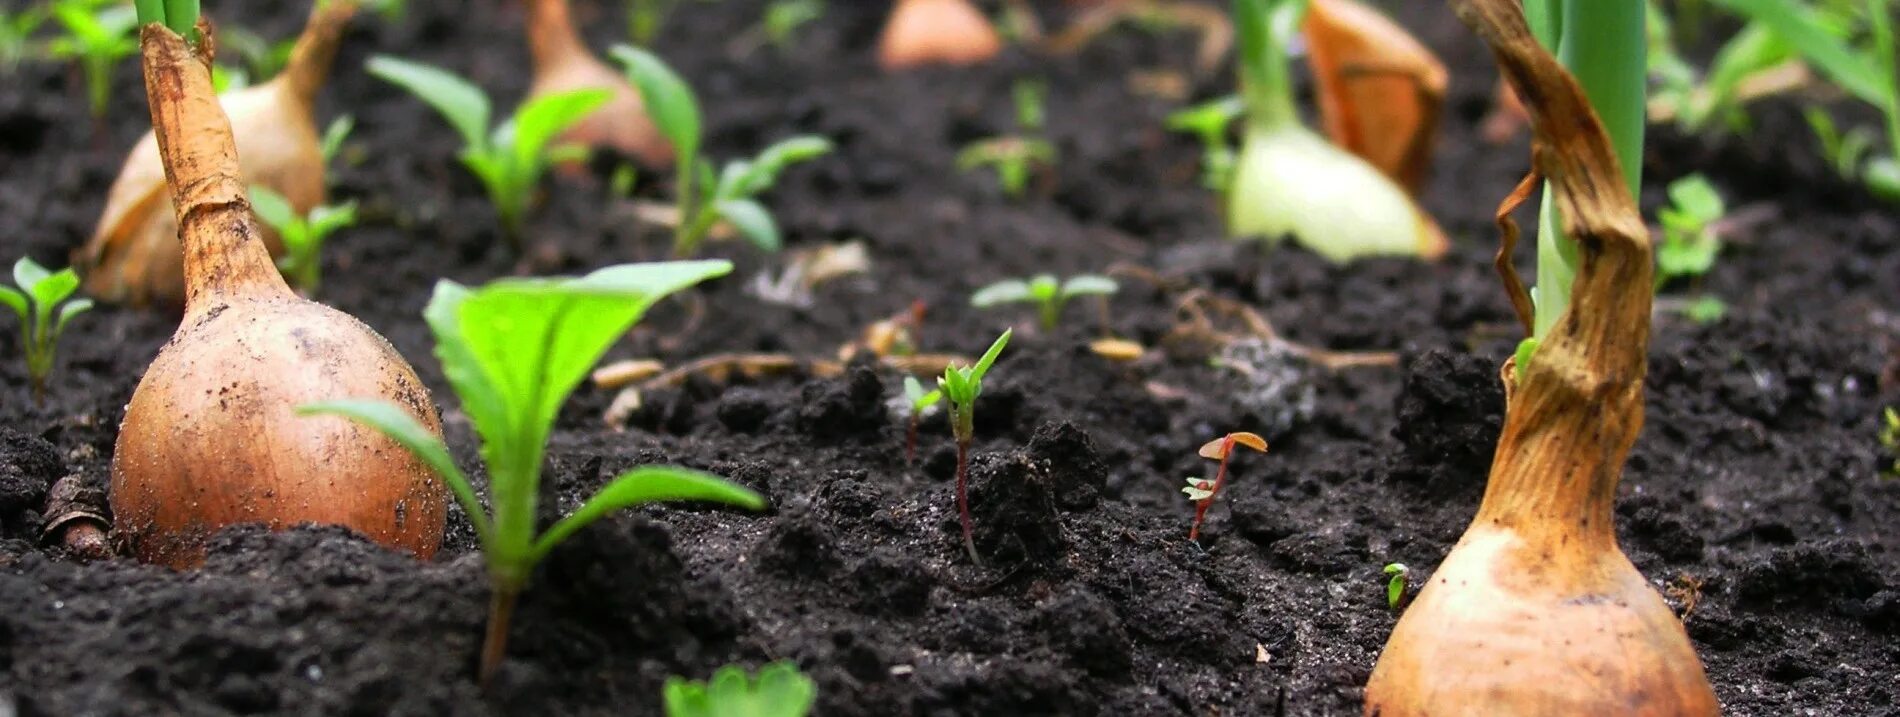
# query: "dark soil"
1758, 478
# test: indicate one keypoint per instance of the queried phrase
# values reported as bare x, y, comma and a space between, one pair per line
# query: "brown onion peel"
209, 439
1536, 611
563, 64
1380, 91
945, 32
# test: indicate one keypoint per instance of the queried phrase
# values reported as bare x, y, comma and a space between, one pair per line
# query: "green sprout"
16, 36
1208, 122
1690, 241
510, 158
334, 136
921, 402
1890, 437
303, 235
98, 37
962, 384
1016, 156
1395, 584
180, 16
1203, 491
1844, 151
262, 57
780, 690
1043, 290
783, 18
513, 350
704, 199
40, 292
1694, 100
645, 17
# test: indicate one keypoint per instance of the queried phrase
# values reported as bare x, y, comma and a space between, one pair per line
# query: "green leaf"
1882, 177
669, 101
460, 102
543, 118
779, 691
649, 484
405, 430
752, 220
1706, 309
17, 301
1798, 24
334, 135
27, 274
762, 172
1198, 489
52, 290
913, 389
327, 219
989, 357
66, 313
1697, 199
273, 208
1007, 291
1089, 285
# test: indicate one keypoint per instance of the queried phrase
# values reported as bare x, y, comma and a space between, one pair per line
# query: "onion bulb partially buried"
950, 32
1379, 89
562, 63
209, 438
134, 256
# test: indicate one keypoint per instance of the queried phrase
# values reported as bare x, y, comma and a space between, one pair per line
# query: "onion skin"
1379, 90
1536, 611
949, 32
209, 438
134, 257
562, 63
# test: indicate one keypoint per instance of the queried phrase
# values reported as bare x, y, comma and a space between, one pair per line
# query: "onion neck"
1266, 73
315, 51
551, 35
223, 247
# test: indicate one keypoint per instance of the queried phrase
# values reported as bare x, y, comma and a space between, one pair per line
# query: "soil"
1756, 497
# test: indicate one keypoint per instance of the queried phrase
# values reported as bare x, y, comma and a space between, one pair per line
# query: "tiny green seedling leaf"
779, 691
921, 401
1199, 489
1049, 295
334, 136
1208, 122
1395, 584
1890, 437
304, 235
669, 101
783, 18
1690, 243
513, 350
961, 385
1203, 492
98, 37
40, 292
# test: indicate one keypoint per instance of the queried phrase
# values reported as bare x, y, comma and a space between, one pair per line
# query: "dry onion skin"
134, 256
562, 63
209, 438
948, 32
1536, 611
1379, 90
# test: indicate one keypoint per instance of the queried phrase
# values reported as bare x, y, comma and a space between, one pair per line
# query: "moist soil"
1755, 499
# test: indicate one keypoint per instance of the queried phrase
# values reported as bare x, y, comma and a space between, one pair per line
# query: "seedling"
1016, 156
920, 402
780, 690
1396, 574
644, 18
783, 18
1690, 240
510, 158
262, 57
1208, 122
702, 199
1754, 63
334, 136
16, 35
513, 350
1043, 290
962, 384
98, 37
40, 292
1203, 492
1890, 437
303, 235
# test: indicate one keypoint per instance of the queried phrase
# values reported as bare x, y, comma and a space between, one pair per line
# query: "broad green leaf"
17, 301
406, 431
669, 101
461, 103
780, 691
1797, 24
273, 208
54, 289
1696, 198
649, 484
1007, 291
543, 118
1089, 284
27, 274
752, 220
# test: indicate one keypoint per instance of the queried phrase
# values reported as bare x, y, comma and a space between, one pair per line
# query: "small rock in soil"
743, 409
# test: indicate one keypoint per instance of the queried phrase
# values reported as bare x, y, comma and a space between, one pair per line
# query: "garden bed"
1758, 477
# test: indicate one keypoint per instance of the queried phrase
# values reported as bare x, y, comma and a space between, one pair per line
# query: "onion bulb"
209, 439
562, 63
1379, 90
950, 32
134, 256
1536, 611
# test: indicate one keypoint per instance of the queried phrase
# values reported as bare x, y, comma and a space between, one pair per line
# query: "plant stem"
963, 498
1220, 478
501, 612
1051, 314
1884, 53
910, 441
1266, 73
684, 240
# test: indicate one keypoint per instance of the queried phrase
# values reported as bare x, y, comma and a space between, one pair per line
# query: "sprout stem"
963, 498
1220, 477
1266, 73
910, 440
501, 612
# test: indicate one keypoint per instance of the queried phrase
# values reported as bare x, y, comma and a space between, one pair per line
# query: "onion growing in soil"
923, 32
562, 64
134, 255
209, 438
1379, 89
1536, 611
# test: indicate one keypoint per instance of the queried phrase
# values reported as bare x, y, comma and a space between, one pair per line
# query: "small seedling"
1208, 122
644, 18
334, 136
702, 198
1690, 241
303, 236
962, 385
513, 350
920, 403
98, 36
780, 690
16, 35
1890, 437
40, 292
1396, 574
510, 158
1203, 492
783, 18
263, 58
1015, 157
1043, 290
